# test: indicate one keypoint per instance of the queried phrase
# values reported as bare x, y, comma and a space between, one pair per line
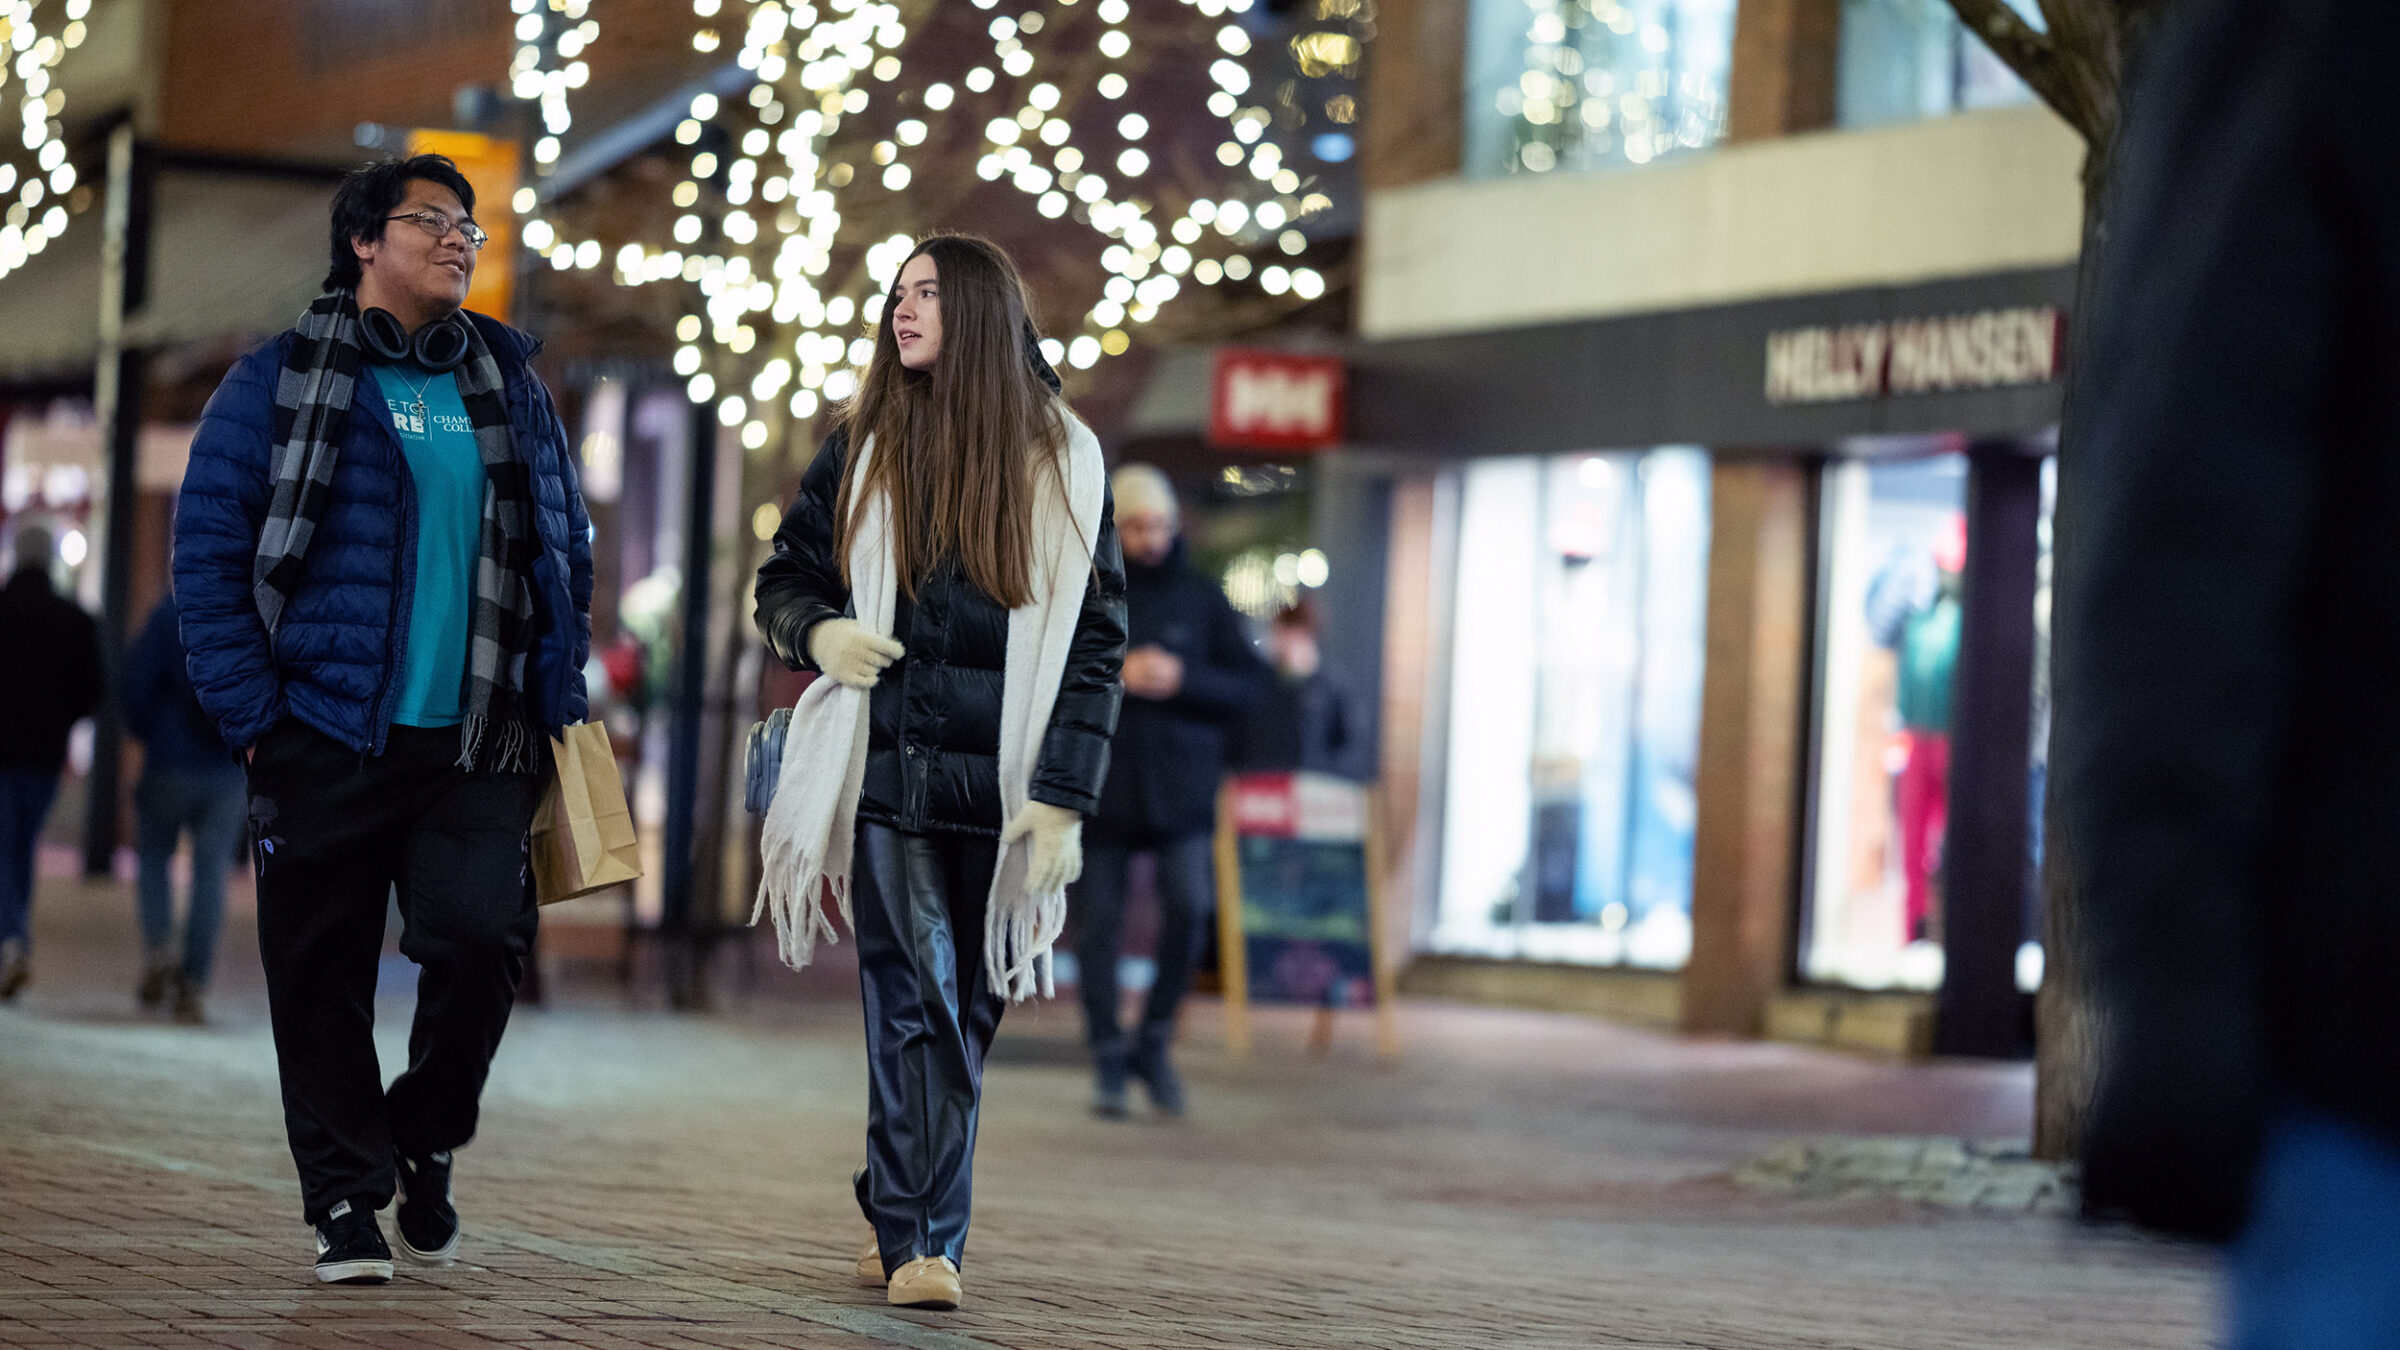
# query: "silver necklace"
416, 409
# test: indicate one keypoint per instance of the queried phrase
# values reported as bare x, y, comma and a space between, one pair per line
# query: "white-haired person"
1191, 672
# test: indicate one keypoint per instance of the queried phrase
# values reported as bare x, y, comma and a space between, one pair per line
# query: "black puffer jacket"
1171, 752
933, 743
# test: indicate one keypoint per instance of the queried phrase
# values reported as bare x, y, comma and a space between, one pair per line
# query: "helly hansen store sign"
1984, 349
1267, 400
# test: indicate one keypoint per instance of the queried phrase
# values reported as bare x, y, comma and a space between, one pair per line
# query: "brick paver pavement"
645, 1179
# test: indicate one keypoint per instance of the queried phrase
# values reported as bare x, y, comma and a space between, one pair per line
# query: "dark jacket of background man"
2229, 678
50, 675
1169, 754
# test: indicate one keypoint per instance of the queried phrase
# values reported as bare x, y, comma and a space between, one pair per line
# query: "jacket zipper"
403, 586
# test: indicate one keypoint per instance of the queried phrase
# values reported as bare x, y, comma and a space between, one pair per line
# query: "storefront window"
1895, 535
1902, 60
2037, 778
1590, 84
1575, 708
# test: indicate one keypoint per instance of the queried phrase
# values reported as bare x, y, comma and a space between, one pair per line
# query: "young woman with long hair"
951, 569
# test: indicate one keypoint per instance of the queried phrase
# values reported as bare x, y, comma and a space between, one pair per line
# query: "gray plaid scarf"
313, 393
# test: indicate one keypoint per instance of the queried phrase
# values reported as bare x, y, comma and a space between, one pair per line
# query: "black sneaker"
1149, 1064
350, 1248
428, 1221
1108, 1080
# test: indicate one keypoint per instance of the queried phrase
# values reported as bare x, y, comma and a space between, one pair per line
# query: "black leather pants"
917, 901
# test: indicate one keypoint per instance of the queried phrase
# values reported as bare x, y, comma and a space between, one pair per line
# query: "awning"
230, 255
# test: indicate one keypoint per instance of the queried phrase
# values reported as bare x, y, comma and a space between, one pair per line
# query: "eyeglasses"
439, 226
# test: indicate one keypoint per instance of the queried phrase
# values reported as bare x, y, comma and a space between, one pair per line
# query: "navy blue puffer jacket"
333, 659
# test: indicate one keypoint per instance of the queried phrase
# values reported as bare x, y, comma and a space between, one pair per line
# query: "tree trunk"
2067, 1039
2076, 64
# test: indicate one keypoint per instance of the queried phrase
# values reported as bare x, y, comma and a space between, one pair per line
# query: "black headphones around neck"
439, 346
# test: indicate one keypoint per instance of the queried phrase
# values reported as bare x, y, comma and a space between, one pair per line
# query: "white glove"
852, 656
1057, 845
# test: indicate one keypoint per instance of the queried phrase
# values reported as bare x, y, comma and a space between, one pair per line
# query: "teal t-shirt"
439, 444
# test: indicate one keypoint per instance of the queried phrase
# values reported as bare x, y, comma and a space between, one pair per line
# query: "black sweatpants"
917, 903
335, 832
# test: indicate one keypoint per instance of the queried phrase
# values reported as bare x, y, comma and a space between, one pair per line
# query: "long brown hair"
957, 446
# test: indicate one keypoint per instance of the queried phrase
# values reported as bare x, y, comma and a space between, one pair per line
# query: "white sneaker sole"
354, 1272
446, 1255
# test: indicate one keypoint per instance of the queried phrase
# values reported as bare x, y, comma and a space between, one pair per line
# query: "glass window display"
1575, 708
1594, 84
1895, 539
2037, 777
1902, 60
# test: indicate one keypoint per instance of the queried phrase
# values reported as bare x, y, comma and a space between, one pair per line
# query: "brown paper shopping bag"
583, 833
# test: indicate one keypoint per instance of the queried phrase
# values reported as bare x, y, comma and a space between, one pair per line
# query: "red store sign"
1265, 400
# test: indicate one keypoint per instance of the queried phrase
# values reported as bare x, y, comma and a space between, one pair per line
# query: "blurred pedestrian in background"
50, 679
2229, 644
1190, 672
950, 568
385, 572
1304, 720
192, 782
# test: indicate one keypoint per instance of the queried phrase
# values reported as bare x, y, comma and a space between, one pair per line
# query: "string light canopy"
36, 184
770, 189
552, 36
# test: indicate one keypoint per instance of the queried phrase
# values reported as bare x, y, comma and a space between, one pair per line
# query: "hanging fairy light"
37, 185
761, 208
552, 37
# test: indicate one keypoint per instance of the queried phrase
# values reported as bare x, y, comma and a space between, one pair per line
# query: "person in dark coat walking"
192, 782
1190, 673
950, 570
1304, 722
2228, 751
385, 573
50, 679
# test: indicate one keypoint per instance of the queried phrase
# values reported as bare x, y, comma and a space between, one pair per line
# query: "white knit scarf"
813, 821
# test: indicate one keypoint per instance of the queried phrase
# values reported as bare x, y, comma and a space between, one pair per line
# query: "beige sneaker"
927, 1282
870, 1266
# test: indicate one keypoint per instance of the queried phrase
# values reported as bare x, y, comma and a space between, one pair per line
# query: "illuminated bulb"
1112, 85
1132, 126
938, 97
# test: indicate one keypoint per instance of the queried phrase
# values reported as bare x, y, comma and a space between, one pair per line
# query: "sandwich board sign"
1297, 902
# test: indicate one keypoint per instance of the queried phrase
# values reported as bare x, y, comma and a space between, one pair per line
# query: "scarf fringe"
512, 751
788, 893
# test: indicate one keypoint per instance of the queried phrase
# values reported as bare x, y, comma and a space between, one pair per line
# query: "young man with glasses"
385, 573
